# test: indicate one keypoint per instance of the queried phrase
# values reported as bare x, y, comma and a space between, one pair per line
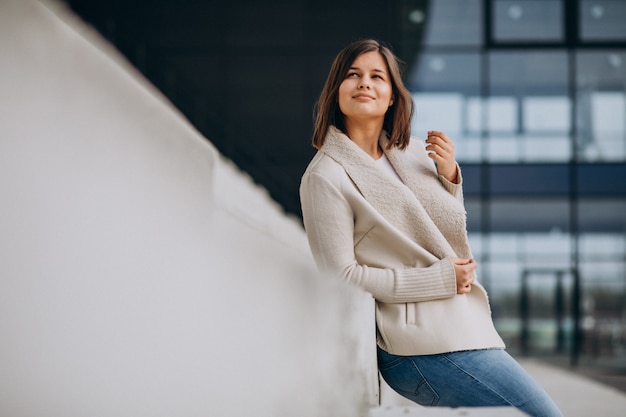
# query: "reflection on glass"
552, 249
527, 20
446, 72
503, 148
603, 20
502, 114
540, 148
529, 113
546, 123
602, 245
608, 124
454, 22
601, 106
546, 114
438, 112
495, 114
529, 72
601, 70
602, 215
528, 214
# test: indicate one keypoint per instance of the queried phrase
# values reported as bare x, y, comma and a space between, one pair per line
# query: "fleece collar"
422, 208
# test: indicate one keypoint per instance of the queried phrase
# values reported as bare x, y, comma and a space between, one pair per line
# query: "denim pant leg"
478, 378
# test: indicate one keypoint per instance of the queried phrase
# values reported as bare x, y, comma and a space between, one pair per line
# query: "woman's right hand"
464, 270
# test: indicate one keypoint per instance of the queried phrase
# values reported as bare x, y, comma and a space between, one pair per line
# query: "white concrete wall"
140, 273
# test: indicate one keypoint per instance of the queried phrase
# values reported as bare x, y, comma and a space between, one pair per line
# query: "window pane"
601, 106
475, 214
603, 20
438, 111
454, 22
546, 114
528, 118
451, 72
602, 246
528, 72
527, 20
607, 215
537, 215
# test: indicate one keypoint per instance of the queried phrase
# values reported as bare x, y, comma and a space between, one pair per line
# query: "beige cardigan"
395, 241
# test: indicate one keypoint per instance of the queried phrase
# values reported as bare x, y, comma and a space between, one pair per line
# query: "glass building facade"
534, 93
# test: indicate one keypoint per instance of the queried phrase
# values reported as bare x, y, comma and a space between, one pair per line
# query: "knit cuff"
453, 188
424, 284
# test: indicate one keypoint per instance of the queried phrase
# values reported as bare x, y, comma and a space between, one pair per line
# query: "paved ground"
577, 394
610, 371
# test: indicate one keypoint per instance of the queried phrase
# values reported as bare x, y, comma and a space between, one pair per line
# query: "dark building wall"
247, 73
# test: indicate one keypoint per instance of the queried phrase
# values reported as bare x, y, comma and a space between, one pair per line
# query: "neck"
366, 136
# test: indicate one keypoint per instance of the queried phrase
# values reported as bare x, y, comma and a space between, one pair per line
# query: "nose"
364, 84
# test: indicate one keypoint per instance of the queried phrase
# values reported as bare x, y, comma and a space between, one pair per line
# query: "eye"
352, 74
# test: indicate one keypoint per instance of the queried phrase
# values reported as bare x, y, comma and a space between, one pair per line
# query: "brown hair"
397, 119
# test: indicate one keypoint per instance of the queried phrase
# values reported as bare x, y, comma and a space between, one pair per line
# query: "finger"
443, 143
441, 158
461, 261
440, 155
438, 147
434, 135
468, 281
445, 154
436, 141
438, 135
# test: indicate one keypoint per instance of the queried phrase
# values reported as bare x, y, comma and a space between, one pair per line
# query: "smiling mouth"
363, 96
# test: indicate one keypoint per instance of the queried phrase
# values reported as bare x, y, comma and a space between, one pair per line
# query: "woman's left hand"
441, 149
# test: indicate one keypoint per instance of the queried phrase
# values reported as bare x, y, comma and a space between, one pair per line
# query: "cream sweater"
395, 241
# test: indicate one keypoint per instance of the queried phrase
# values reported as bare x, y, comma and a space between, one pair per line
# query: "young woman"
379, 213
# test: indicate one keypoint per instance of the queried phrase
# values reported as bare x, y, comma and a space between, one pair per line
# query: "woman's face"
366, 92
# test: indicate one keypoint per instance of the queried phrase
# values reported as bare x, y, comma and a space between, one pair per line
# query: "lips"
363, 96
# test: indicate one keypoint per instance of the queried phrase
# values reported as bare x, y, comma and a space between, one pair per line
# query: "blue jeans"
473, 378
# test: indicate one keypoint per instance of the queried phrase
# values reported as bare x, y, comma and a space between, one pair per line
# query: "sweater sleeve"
456, 189
329, 223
